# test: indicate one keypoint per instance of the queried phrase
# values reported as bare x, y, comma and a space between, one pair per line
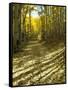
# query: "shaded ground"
38, 63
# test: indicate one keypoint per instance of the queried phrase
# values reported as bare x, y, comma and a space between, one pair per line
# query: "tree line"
52, 24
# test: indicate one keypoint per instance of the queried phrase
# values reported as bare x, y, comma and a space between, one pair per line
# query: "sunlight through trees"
38, 43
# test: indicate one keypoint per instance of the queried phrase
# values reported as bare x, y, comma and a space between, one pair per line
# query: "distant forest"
37, 22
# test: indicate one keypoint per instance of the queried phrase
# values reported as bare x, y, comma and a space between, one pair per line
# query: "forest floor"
38, 63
